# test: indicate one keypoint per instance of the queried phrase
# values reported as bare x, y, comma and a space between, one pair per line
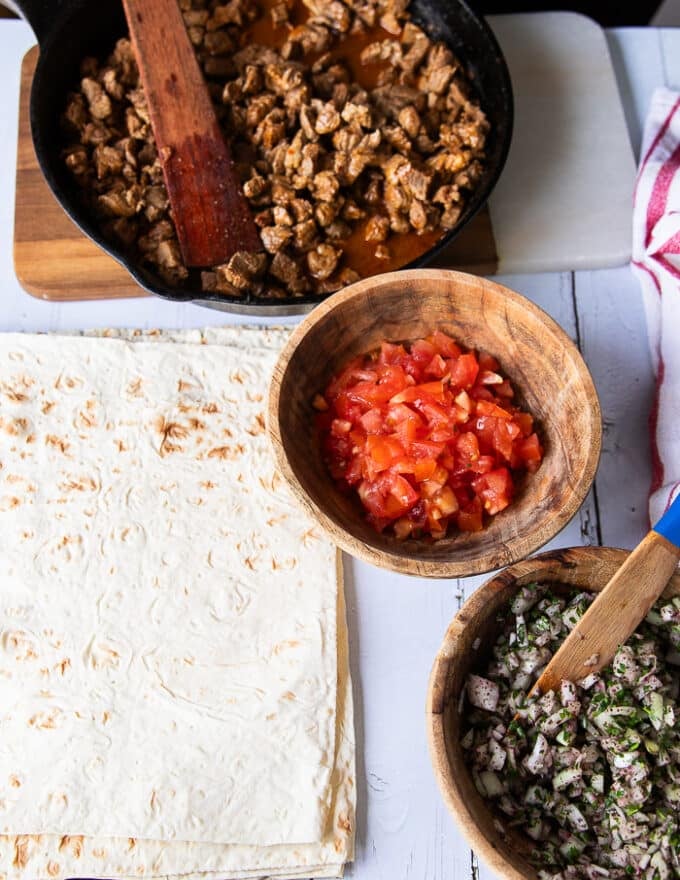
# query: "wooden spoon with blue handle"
617, 611
211, 214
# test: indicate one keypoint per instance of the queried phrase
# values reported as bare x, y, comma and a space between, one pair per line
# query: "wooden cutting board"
563, 201
52, 258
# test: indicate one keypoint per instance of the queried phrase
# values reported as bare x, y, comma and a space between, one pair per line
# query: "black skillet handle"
40, 14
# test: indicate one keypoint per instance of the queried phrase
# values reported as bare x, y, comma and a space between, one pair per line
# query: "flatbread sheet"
51, 857
70, 404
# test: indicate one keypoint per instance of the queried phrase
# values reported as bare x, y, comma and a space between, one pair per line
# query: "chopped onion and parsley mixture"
590, 772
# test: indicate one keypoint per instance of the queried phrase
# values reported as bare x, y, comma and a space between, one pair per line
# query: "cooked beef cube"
327, 117
305, 234
450, 217
108, 161
77, 161
352, 211
302, 209
322, 261
357, 114
397, 137
99, 102
244, 268
255, 186
227, 13
335, 13
289, 272
384, 50
281, 216
271, 130
275, 237
409, 120
121, 201
282, 192
325, 186
377, 228
326, 212
348, 276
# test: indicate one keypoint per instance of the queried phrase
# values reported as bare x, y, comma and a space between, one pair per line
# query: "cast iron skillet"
68, 30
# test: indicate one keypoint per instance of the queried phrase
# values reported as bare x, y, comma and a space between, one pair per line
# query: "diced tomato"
470, 518
444, 344
428, 436
389, 496
346, 408
422, 351
353, 372
527, 452
389, 381
525, 423
481, 392
505, 433
487, 362
483, 465
485, 429
404, 421
353, 472
424, 469
464, 371
436, 367
467, 448
392, 354
436, 413
384, 450
445, 500
486, 408
426, 449
504, 390
424, 391
397, 413
443, 433
372, 421
494, 490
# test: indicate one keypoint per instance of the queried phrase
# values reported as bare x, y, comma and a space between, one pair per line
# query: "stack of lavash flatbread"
174, 687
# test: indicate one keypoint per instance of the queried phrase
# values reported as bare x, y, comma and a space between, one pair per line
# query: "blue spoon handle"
669, 524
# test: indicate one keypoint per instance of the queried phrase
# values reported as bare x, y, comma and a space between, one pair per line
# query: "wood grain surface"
549, 376
211, 215
481, 618
54, 260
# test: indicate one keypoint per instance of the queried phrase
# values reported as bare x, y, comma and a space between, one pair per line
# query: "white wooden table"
396, 623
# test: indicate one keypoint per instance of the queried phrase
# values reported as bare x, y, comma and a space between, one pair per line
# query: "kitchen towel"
656, 262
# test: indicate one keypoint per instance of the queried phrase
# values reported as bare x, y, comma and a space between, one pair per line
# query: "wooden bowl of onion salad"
581, 783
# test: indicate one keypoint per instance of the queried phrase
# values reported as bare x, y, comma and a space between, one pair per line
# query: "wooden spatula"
210, 212
618, 609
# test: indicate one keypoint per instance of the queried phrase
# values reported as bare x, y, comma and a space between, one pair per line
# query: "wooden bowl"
465, 649
545, 367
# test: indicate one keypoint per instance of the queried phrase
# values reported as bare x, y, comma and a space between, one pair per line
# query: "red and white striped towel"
656, 261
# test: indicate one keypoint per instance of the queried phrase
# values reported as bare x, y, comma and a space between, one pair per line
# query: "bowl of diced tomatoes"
434, 423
